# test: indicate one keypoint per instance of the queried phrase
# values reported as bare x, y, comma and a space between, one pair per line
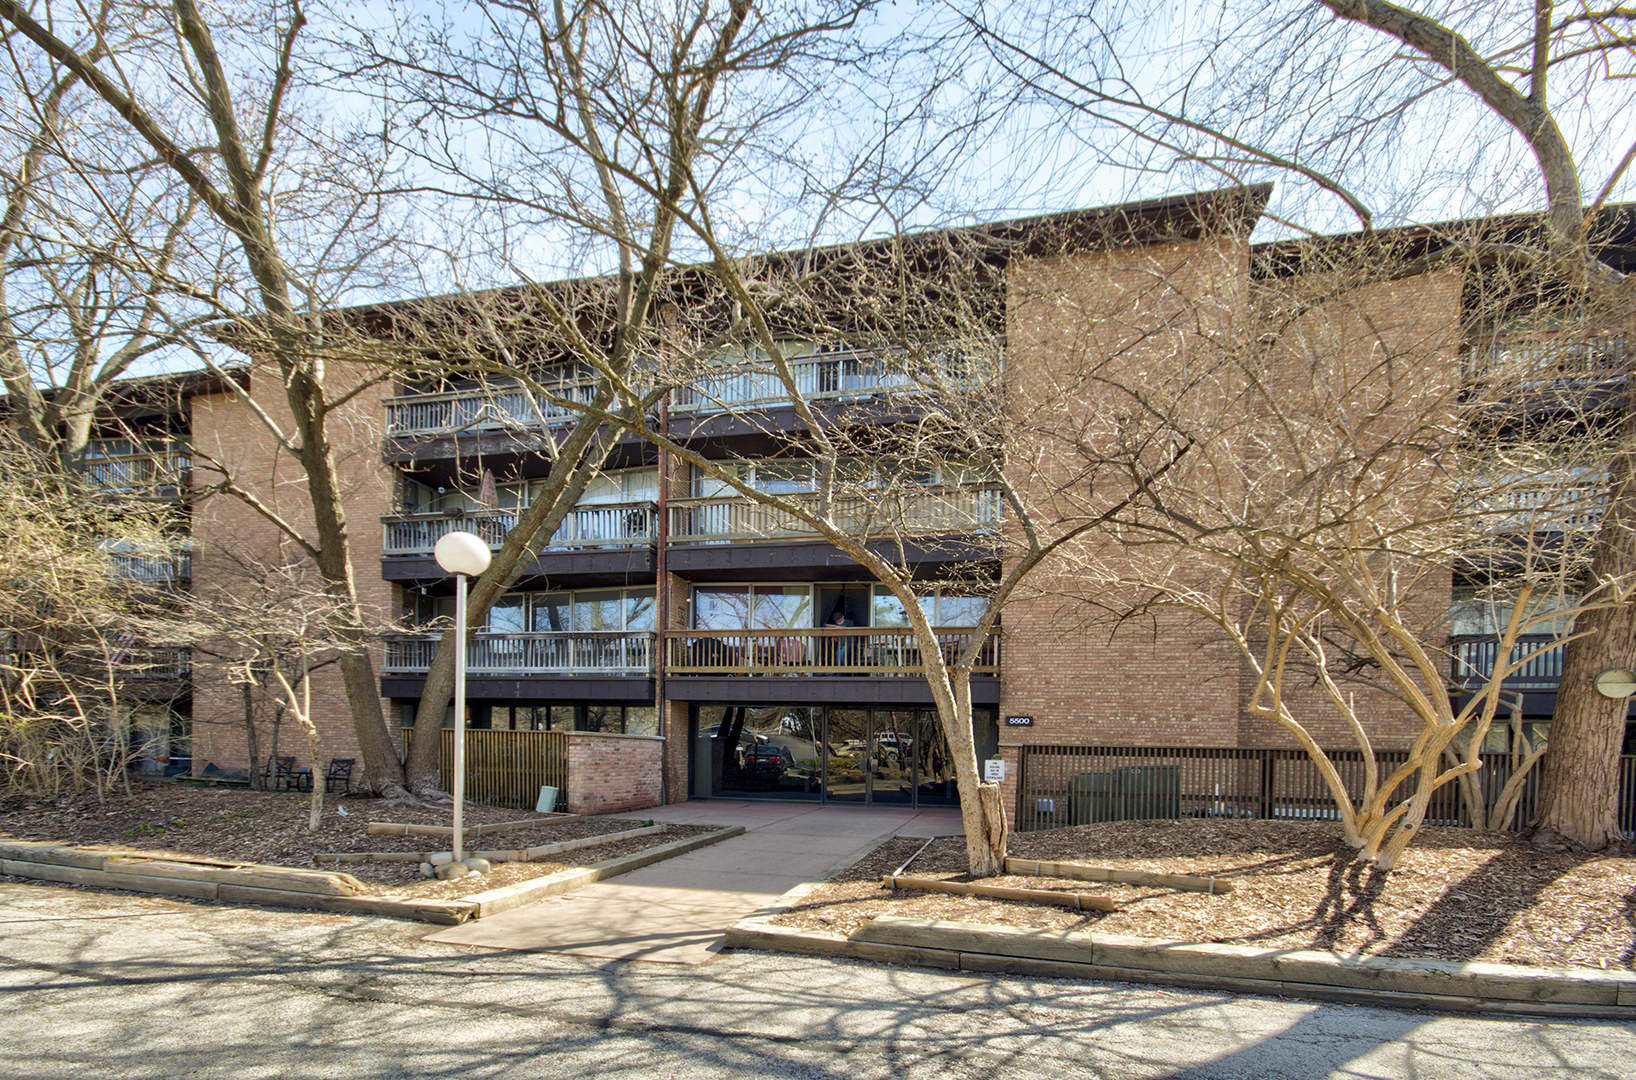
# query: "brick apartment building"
667, 616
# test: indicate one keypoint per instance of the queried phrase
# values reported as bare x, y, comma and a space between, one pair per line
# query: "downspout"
661, 568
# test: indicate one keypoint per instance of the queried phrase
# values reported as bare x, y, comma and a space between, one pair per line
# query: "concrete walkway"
677, 911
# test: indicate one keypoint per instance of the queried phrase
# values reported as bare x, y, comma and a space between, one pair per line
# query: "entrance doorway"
849, 755
871, 756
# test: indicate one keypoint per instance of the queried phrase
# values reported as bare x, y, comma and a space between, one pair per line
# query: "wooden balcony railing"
137, 472
1472, 658
824, 651
931, 512
1563, 357
532, 654
832, 376
607, 525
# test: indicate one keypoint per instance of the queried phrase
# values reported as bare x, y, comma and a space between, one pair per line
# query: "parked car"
768, 759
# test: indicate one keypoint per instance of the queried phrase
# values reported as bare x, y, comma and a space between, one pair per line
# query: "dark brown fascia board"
157, 392
1614, 230
1172, 217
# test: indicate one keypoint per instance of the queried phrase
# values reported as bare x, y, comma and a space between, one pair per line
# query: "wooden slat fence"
505, 768
1077, 785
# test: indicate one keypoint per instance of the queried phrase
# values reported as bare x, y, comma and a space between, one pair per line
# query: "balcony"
931, 512
1565, 503
154, 663
825, 651
835, 376
609, 525
484, 409
530, 654
159, 570
1547, 358
124, 473
1473, 656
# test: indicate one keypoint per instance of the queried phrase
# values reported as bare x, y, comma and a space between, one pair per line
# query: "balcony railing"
484, 409
825, 651
531, 654
158, 569
1567, 503
1473, 657
931, 512
832, 376
605, 525
1548, 358
137, 472
154, 663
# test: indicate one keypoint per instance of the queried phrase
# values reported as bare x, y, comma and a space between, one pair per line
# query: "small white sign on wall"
994, 770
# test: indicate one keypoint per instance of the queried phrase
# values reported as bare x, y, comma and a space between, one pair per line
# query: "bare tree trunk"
1579, 792
248, 696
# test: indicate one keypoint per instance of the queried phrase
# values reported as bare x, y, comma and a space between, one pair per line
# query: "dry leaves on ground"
271, 827
1460, 894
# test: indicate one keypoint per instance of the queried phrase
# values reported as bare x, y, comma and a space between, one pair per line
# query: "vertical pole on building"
459, 715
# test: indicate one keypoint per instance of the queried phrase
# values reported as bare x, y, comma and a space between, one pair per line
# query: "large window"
944, 605
790, 607
627, 611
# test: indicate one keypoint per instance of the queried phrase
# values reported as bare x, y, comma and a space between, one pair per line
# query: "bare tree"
607, 130
269, 183
1352, 100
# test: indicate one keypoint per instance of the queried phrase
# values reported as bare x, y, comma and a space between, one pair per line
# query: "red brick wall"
611, 773
233, 543
1095, 339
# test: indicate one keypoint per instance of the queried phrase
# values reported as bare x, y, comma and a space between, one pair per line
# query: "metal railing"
1567, 503
485, 409
931, 512
531, 654
1547, 358
829, 650
1472, 657
162, 569
154, 663
1077, 785
504, 768
605, 525
136, 472
837, 375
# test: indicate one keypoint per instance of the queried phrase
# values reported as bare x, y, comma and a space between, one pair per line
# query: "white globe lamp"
464, 555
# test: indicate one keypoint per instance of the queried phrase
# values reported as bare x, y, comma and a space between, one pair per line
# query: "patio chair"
339, 772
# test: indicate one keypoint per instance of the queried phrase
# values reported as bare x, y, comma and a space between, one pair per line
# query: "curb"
280, 886
1412, 984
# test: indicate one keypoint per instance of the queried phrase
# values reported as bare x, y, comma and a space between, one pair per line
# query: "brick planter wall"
610, 773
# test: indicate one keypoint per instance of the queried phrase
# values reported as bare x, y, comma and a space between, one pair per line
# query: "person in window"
842, 647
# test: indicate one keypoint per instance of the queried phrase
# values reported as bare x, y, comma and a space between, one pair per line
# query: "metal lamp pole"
464, 555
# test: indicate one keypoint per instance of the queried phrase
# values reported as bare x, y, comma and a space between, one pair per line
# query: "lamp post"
464, 555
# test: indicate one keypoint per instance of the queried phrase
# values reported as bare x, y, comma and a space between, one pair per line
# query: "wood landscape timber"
515, 855
389, 828
1081, 872
1077, 901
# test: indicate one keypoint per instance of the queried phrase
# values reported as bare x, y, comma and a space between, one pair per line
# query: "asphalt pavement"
106, 985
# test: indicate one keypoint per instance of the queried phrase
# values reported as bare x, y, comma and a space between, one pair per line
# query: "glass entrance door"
871, 756
847, 764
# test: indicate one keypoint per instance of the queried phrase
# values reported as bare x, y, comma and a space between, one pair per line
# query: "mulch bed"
271, 827
1460, 894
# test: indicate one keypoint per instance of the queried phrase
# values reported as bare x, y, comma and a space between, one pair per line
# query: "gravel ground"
1460, 894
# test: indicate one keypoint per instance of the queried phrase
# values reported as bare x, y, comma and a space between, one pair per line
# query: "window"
1485, 611
944, 606
622, 486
